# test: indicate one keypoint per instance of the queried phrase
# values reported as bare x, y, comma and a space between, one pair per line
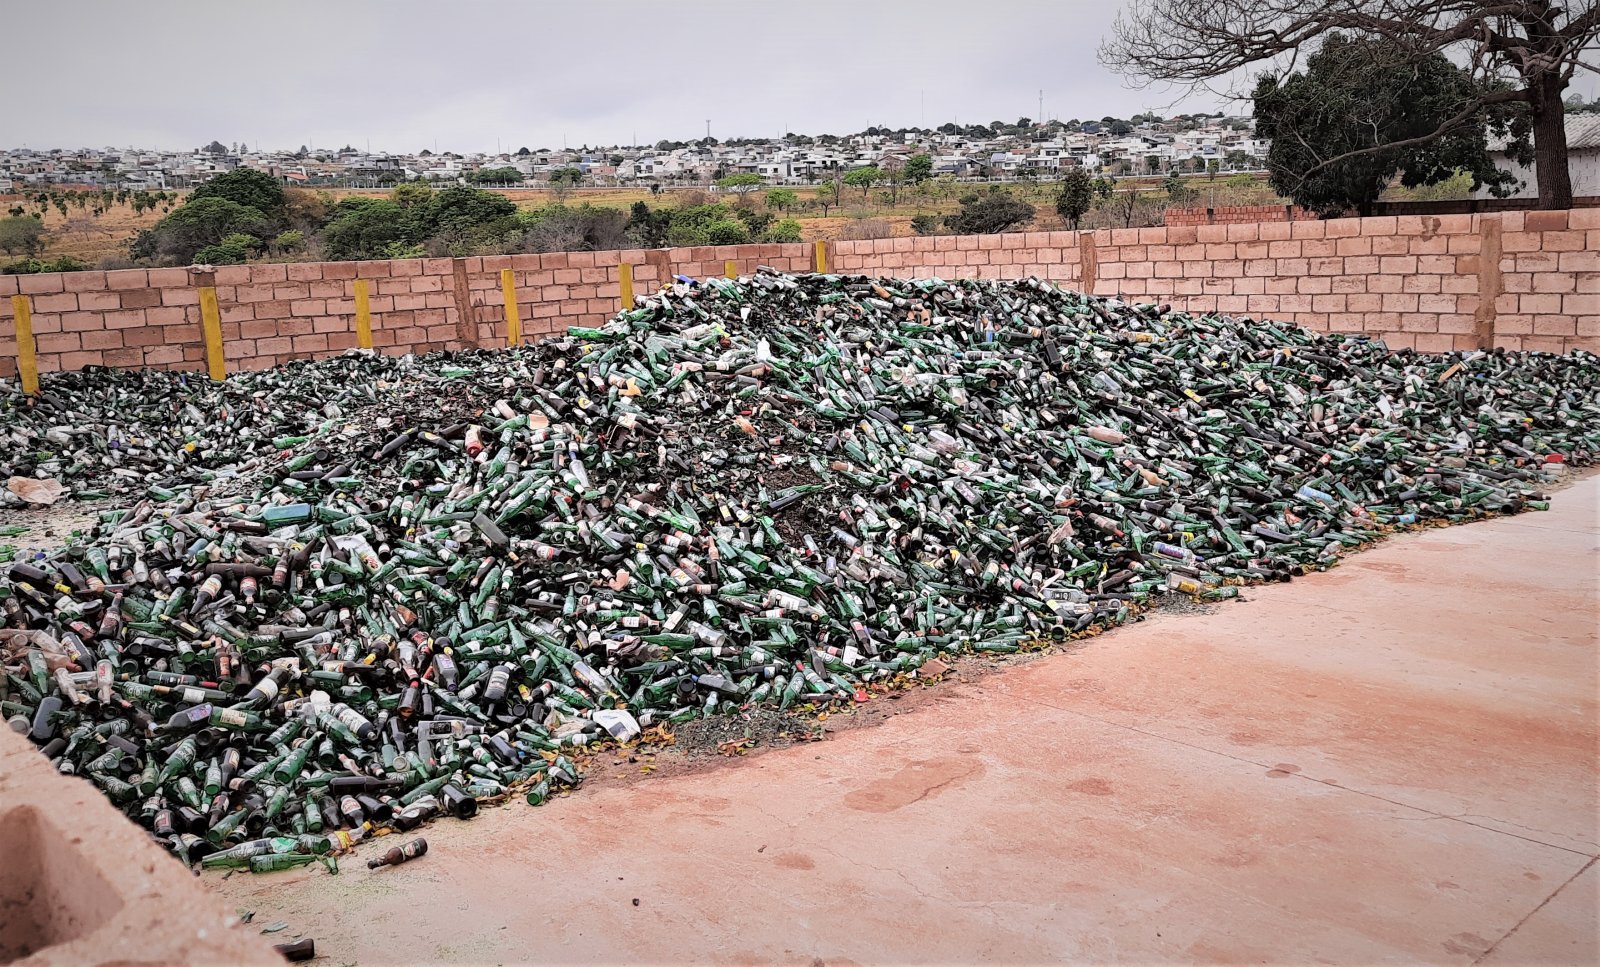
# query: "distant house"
1583, 160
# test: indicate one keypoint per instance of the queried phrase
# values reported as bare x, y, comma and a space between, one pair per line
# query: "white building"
1583, 160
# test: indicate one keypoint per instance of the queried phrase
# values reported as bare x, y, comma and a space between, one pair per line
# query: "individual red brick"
128, 279
82, 321
170, 278
144, 336
80, 282
41, 284
1545, 221
102, 339
140, 298
56, 302
125, 318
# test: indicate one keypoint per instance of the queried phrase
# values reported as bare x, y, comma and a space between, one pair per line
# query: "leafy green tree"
194, 225
692, 225
1075, 197
245, 186
1213, 165
23, 234
988, 213
571, 177
461, 210
1521, 53
740, 183
648, 227
756, 221
727, 231
925, 224
782, 199
232, 250
1237, 159
863, 178
412, 194
369, 230
1353, 97
919, 168
291, 241
495, 175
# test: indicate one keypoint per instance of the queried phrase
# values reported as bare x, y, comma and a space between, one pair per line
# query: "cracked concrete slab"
1391, 761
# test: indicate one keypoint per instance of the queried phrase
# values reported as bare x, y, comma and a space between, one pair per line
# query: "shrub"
989, 212
22, 233
787, 230
197, 224
64, 263
369, 229
230, 251
727, 231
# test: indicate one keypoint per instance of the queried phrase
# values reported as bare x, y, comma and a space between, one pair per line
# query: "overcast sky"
468, 75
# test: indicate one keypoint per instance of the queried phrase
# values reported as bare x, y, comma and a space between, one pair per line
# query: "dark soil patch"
756, 727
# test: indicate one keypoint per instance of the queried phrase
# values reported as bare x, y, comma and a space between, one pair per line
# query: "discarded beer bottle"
396, 855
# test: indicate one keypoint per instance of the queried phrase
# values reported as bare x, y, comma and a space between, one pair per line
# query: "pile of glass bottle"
351, 594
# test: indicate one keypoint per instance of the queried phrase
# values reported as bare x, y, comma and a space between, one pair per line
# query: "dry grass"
85, 237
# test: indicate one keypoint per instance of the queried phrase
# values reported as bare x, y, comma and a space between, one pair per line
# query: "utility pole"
708, 128
1040, 117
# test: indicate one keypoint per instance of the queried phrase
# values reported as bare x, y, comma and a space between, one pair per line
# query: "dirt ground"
46, 528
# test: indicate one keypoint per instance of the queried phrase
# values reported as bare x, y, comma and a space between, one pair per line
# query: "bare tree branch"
1455, 121
1536, 44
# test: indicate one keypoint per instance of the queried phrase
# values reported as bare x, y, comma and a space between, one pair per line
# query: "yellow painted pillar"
730, 269
211, 328
508, 290
363, 316
822, 257
27, 365
625, 280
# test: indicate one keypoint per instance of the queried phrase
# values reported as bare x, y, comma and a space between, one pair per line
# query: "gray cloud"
468, 74
405, 74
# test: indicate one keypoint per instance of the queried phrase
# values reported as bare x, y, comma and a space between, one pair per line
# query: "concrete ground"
1392, 761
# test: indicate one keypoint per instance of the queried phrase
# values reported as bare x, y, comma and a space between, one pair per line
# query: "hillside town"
1146, 144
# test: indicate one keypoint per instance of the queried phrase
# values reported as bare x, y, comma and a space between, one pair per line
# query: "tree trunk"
1550, 143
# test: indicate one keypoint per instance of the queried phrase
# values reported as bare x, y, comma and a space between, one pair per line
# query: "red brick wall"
1235, 214
1413, 280
1418, 281
272, 313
